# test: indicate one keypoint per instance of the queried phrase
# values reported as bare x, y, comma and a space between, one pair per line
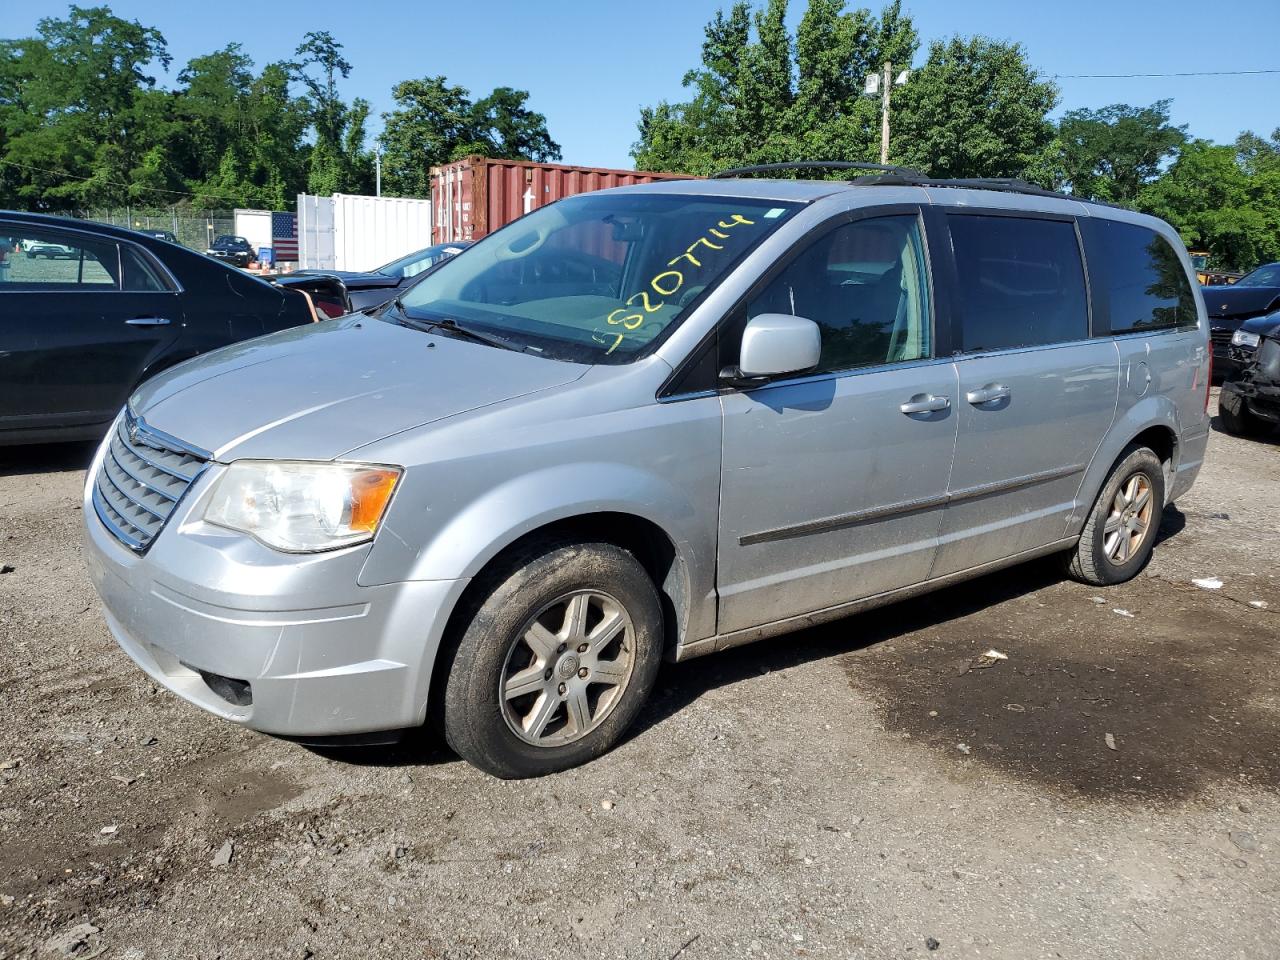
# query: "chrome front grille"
143, 475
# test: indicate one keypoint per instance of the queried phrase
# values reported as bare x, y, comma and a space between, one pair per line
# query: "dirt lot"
861, 790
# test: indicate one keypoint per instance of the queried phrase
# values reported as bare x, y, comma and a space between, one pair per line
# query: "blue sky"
591, 66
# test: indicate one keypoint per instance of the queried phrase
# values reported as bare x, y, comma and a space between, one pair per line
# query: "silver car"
656, 421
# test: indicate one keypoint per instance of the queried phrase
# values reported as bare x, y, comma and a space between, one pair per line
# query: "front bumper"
322, 655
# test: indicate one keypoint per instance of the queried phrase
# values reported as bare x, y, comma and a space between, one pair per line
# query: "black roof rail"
815, 165
1001, 184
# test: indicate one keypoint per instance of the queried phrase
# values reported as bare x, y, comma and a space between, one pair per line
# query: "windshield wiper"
451, 326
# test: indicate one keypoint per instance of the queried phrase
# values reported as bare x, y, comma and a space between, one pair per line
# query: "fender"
500, 515
1156, 410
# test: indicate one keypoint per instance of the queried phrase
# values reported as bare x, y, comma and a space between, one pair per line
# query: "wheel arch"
1152, 423
646, 540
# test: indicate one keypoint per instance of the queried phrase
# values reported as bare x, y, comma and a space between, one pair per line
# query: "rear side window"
1146, 286
1020, 282
138, 274
36, 259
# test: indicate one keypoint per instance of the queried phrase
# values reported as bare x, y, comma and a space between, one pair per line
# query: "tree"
1112, 153
435, 122
1223, 202
762, 96
79, 111
975, 109
338, 160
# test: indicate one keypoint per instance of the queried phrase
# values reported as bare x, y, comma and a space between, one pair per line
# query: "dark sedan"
236, 251
1253, 295
375, 287
79, 333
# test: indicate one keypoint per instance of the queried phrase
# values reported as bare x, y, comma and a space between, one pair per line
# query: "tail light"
1208, 382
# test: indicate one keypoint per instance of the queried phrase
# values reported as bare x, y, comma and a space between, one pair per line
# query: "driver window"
866, 286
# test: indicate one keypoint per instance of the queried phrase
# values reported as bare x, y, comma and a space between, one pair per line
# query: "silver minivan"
655, 421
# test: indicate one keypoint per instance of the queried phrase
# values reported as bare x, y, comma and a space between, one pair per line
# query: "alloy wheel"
1129, 520
567, 668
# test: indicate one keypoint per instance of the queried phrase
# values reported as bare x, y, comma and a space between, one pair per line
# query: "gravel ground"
864, 790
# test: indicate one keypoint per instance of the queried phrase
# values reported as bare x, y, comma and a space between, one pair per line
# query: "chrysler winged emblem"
133, 432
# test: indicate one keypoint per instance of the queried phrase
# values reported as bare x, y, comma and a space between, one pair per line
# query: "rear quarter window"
1142, 275
1020, 282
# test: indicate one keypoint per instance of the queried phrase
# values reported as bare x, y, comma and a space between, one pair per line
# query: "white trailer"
254, 226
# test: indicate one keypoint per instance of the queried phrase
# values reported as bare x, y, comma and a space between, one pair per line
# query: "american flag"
284, 236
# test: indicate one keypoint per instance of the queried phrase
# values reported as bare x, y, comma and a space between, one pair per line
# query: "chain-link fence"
193, 228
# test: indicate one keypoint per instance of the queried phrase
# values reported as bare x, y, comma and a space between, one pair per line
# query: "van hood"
319, 391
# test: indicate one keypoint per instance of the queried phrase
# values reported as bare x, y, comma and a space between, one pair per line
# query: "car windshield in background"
595, 278
414, 263
1268, 276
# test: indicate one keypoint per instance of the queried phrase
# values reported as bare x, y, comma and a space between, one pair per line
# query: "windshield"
595, 278
1268, 276
414, 263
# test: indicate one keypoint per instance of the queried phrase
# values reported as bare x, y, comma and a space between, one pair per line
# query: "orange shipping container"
474, 196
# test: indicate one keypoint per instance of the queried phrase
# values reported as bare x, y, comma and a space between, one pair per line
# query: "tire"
1100, 560
1236, 417
527, 637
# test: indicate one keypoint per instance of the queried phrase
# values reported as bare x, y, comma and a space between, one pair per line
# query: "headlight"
303, 507
1242, 338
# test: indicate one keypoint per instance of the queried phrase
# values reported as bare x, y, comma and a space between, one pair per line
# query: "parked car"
50, 251
375, 287
160, 235
234, 250
81, 332
739, 407
1254, 295
1249, 404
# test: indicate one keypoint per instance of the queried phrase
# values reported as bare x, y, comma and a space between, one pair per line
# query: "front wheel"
1236, 417
1120, 531
556, 661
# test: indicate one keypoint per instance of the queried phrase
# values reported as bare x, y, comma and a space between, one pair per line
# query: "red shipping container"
474, 196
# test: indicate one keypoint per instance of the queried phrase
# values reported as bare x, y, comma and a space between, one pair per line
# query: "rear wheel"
1121, 529
556, 661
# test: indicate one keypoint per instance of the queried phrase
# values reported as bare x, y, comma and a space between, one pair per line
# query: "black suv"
236, 251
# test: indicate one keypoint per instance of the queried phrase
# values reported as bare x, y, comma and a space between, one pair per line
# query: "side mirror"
775, 344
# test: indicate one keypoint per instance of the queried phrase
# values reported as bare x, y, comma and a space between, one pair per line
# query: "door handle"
148, 322
925, 403
991, 392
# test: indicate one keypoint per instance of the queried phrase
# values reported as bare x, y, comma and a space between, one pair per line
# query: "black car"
79, 333
160, 235
1253, 295
236, 251
1249, 404
376, 287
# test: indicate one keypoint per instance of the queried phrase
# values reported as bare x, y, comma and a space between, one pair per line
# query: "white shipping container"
371, 231
254, 226
348, 232
315, 233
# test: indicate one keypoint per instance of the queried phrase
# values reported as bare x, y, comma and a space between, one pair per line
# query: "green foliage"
435, 122
762, 96
1225, 199
1112, 153
83, 122
975, 109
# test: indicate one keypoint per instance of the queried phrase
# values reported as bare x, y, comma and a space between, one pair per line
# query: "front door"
1036, 394
83, 318
833, 485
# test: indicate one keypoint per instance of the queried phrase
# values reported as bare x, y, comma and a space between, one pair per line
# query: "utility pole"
377, 166
886, 82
